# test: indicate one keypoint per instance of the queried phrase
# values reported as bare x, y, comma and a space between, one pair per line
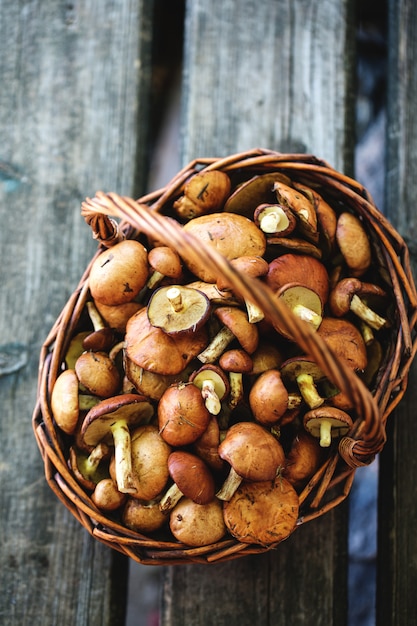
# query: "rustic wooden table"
77, 110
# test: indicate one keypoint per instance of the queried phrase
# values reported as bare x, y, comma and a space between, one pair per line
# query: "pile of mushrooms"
187, 414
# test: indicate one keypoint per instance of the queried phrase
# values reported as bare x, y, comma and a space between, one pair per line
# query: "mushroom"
326, 218
192, 478
117, 316
327, 423
302, 460
178, 309
98, 374
252, 192
143, 517
235, 325
118, 274
197, 524
214, 386
106, 495
204, 193
264, 512
75, 348
236, 362
253, 454
302, 208
351, 294
164, 262
345, 340
102, 337
150, 455
87, 467
274, 219
206, 446
182, 414
255, 267
353, 243
266, 356
154, 350
67, 402
268, 398
110, 421
306, 374
232, 235
148, 383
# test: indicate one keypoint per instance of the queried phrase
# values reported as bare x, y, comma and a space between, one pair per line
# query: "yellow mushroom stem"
154, 279
369, 316
309, 391
307, 315
122, 457
95, 317
94, 459
236, 388
175, 299
170, 499
217, 346
229, 486
255, 314
325, 433
211, 399
87, 401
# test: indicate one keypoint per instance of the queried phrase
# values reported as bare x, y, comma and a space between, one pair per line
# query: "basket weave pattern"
332, 482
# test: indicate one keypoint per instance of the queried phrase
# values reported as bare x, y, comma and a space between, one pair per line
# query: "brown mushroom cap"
326, 218
302, 460
97, 372
204, 193
235, 326
182, 414
64, 401
106, 495
301, 269
326, 423
353, 243
253, 192
143, 517
302, 208
262, 512
154, 350
110, 421
345, 340
117, 316
232, 235
197, 524
178, 309
150, 455
192, 476
164, 262
118, 274
206, 446
268, 398
351, 294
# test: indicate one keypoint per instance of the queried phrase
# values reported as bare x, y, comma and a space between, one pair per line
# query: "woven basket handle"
367, 436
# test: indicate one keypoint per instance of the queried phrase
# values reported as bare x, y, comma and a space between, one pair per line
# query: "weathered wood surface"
397, 546
73, 75
277, 75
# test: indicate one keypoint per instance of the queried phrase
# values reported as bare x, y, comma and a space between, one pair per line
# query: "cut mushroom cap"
204, 193
235, 326
262, 512
178, 309
353, 243
268, 398
236, 362
253, 454
274, 219
351, 294
232, 235
110, 421
327, 423
118, 274
182, 414
305, 373
192, 478
153, 349
164, 263
214, 386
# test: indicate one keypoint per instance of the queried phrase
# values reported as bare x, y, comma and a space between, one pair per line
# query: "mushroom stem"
307, 315
154, 279
211, 399
94, 315
170, 499
308, 390
94, 458
325, 433
217, 346
271, 219
229, 486
369, 316
122, 456
255, 314
236, 388
174, 297
87, 401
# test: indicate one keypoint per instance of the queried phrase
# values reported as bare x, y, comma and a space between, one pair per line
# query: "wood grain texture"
71, 75
276, 75
397, 545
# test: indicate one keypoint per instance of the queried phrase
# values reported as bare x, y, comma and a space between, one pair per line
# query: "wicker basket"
332, 482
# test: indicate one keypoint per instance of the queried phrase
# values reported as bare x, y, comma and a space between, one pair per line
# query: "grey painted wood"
397, 550
71, 74
278, 75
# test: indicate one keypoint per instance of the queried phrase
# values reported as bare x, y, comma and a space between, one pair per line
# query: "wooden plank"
276, 75
397, 546
71, 75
